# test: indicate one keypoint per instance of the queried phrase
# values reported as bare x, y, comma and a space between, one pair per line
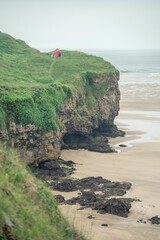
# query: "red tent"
57, 53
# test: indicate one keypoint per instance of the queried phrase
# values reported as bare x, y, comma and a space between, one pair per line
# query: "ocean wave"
151, 72
135, 71
154, 74
126, 71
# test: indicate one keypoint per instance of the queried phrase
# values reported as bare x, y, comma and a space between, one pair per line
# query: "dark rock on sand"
116, 206
122, 145
53, 169
141, 221
94, 184
86, 199
91, 217
104, 225
97, 201
155, 220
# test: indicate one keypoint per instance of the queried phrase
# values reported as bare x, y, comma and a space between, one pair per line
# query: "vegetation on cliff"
33, 85
27, 208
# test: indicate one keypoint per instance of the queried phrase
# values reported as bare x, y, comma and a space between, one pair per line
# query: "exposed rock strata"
78, 128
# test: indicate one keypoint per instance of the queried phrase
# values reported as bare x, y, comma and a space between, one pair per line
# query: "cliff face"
79, 126
89, 130
47, 104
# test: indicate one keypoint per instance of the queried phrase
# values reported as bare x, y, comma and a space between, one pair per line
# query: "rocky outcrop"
32, 142
78, 125
88, 197
99, 184
96, 193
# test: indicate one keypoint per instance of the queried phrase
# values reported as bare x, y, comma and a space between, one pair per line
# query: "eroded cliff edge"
79, 125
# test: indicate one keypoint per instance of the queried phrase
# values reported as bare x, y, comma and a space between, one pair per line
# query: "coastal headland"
47, 105
60, 115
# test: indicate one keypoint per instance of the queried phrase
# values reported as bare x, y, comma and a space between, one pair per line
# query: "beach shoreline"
138, 165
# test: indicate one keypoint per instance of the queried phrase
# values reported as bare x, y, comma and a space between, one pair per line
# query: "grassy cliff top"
22, 66
34, 85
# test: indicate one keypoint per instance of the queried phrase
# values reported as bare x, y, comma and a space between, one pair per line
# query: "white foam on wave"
154, 74
144, 83
141, 91
125, 71
135, 78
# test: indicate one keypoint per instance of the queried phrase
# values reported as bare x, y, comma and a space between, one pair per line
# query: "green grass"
28, 203
65, 166
33, 85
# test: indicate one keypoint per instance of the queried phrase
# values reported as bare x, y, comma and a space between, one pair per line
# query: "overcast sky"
76, 24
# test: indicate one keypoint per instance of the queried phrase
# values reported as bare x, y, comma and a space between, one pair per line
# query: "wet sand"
139, 164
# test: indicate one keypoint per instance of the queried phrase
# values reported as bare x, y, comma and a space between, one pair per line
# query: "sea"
137, 68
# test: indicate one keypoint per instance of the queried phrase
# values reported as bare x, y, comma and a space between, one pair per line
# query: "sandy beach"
138, 163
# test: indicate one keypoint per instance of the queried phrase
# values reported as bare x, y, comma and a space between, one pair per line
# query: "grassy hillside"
33, 85
28, 204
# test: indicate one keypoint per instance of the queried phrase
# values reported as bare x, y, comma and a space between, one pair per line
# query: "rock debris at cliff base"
97, 141
53, 169
88, 198
94, 191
